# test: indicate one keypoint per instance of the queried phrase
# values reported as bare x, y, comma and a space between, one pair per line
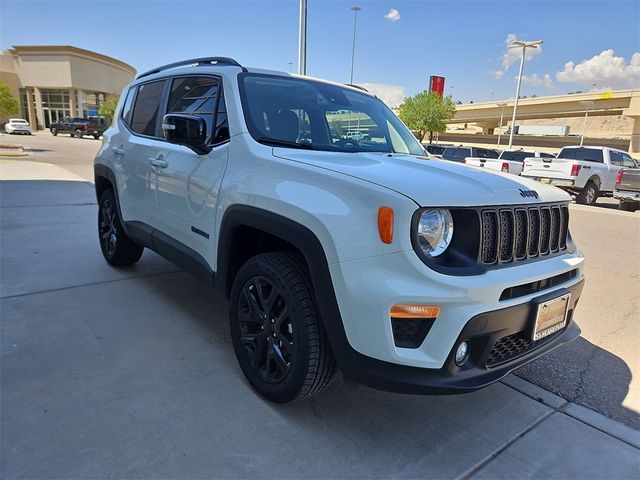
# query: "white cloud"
392, 95
536, 81
498, 74
393, 15
605, 69
513, 55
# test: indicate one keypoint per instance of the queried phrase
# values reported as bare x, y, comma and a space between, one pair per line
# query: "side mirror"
187, 130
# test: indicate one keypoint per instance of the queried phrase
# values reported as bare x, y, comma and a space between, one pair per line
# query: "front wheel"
54, 132
117, 248
277, 336
78, 133
588, 195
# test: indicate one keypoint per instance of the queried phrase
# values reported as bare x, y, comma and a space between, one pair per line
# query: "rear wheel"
97, 137
117, 248
588, 195
78, 133
628, 206
277, 336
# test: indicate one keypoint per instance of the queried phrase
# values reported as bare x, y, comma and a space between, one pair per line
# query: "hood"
431, 182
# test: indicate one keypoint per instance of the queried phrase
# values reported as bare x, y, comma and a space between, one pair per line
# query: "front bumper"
482, 332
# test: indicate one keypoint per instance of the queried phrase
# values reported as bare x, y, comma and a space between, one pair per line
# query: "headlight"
435, 229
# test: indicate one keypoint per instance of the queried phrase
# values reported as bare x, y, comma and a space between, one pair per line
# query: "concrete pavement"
130, 373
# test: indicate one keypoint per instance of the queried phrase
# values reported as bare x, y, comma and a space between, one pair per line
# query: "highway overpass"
620, 102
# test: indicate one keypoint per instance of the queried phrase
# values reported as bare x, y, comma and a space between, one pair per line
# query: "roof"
70, 50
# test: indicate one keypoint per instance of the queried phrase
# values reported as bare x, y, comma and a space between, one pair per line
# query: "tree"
108, 107
8, 104
427, 112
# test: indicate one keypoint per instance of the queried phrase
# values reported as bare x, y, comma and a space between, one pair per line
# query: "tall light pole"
502, 105
355, 11
524, 46
587, 104
302, 39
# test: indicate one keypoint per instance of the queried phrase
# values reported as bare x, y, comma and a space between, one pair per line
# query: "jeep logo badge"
528, 193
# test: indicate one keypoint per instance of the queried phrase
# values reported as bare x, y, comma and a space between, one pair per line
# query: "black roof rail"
357, 86
195, 61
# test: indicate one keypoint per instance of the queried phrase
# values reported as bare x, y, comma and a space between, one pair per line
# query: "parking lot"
130, 372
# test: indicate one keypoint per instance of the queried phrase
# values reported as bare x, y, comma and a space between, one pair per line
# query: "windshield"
516, 156
302, 113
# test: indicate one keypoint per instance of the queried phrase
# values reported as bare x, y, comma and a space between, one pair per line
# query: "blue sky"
461, 40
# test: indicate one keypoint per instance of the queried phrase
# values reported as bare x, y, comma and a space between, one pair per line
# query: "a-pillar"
31, 111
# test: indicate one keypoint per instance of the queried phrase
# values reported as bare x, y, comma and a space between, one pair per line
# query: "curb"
593, 419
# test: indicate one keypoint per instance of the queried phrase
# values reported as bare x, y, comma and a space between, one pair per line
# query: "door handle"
158, 162
118, 151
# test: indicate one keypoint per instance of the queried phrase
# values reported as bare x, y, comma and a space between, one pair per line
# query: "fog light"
462, 354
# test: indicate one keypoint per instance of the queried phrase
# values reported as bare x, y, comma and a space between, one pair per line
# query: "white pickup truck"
509, 161
586, 172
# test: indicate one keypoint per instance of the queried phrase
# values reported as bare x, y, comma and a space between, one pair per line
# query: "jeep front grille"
514, 234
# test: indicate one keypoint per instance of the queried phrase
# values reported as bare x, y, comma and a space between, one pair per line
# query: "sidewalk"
130, 373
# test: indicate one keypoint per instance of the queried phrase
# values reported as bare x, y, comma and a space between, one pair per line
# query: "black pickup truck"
627, 189
79, 127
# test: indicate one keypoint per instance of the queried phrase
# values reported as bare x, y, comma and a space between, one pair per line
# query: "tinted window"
547, 155
195, 95
586, 154
616, 158
434, 149
628, 161
222, 124
145, 110
516, 156
127, 109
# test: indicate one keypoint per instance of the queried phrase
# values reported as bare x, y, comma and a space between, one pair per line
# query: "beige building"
53, 82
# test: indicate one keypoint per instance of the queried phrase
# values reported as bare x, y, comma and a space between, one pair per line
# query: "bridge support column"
634, 144
487, 127
634, 112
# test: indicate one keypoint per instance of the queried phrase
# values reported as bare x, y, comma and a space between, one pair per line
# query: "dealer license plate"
551, 316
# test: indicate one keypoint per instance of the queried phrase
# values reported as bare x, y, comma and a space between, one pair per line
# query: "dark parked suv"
458, 154
79, 127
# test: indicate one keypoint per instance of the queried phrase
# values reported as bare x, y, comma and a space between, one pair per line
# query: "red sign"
436, 84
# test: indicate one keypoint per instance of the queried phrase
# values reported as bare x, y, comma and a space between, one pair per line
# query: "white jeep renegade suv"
407, 273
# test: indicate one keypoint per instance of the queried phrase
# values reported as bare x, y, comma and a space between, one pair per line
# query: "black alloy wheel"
266, 330
117, 248
277, 335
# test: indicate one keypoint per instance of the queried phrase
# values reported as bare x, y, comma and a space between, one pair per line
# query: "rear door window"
147, 105
615, 158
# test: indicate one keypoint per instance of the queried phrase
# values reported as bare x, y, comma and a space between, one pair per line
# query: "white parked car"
356, 135
509, 161
409, 274
17, 125
586, 172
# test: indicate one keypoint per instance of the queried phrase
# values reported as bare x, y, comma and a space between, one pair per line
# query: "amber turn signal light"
414, 311
385, 224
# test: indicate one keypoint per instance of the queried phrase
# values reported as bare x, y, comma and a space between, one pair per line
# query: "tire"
117, 248
78, 133
54, 132
628, 206
277, 336
97, 137
588, 195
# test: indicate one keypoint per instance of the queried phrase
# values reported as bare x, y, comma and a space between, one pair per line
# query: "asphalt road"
601, 370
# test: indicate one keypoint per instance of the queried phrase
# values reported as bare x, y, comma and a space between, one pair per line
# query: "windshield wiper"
284, 143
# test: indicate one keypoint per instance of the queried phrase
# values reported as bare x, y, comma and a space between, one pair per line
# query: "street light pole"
355, 11
587, 104
524, 46
503, 104
302, 39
